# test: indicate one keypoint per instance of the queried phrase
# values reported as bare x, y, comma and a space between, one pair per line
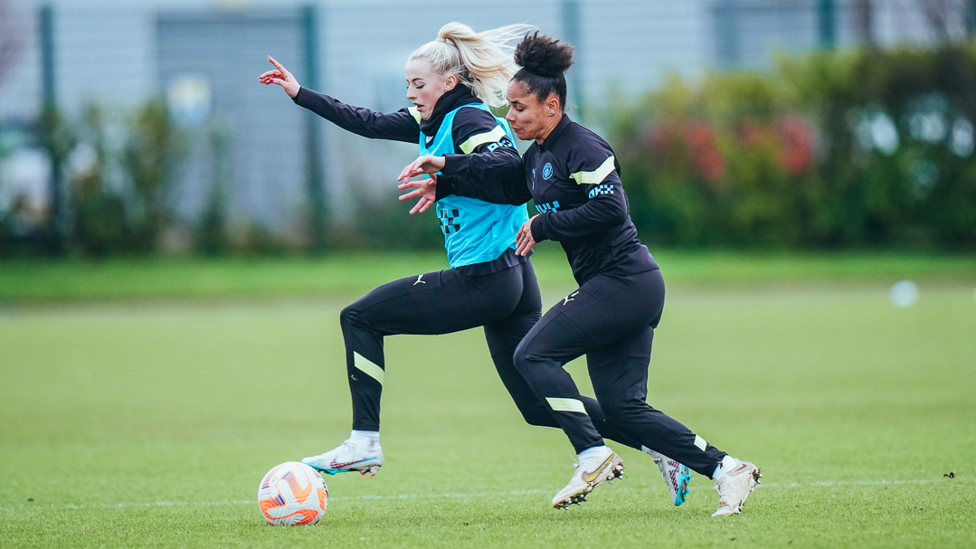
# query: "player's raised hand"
282, 77
427, 164
426, 189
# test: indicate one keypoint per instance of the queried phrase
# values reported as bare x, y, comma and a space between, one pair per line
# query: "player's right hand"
282, 77
425, 189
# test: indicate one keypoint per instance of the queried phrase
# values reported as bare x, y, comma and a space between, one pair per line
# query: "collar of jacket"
460, 95
554, 134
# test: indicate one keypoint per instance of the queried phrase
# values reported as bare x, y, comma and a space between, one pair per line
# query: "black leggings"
507, 303
610, 319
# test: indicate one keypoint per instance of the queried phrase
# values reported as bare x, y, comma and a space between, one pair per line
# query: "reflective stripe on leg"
368, 367
566, 405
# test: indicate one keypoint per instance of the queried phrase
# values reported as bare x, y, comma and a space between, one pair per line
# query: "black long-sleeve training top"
496, 161
574, 179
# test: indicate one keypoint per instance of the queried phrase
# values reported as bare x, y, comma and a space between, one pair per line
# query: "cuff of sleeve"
538, 227
452, 164
298, 96
445, 187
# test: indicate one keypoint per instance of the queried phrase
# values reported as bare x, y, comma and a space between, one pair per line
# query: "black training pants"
507, 303
610, 319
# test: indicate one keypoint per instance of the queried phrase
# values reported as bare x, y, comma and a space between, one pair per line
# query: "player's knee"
529, 354
536, 420
538, 417
521, 357
347, 314
350, 317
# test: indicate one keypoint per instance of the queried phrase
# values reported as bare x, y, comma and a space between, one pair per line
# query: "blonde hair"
482, 61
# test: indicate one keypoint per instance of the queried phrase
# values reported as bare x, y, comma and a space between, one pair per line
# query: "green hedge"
832, 149
115, 191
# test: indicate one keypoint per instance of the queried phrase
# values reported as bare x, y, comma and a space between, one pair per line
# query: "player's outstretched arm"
498, 180
282, 77
398, 126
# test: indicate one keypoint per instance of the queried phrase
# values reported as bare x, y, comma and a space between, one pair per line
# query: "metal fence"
204, 57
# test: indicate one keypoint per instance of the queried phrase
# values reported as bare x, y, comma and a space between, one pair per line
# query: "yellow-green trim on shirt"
414, 113
475, 141
596, 176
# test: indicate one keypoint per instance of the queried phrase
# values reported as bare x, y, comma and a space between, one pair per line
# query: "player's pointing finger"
276, 64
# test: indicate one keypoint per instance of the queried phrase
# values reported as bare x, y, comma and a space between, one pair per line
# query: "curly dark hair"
544, 61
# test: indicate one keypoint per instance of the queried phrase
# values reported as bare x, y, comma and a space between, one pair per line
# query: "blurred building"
203, 58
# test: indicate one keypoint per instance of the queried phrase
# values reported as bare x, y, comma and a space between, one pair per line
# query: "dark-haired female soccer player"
575, 181
449, 80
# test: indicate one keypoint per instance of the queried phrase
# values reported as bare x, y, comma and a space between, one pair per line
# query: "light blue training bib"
475, 231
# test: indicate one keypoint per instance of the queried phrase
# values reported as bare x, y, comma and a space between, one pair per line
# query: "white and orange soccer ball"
292, 494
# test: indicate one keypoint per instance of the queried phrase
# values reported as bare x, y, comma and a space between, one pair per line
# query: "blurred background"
136, 128
177, 242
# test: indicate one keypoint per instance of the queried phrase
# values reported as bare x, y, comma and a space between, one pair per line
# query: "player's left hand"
523, 239
426, 189
426, 164
282, 77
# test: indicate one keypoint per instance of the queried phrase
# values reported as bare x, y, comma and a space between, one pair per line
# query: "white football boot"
349, 458
734, 487
589, 474
676, 475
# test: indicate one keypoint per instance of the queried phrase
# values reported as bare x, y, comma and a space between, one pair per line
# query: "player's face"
425, 87
529, 117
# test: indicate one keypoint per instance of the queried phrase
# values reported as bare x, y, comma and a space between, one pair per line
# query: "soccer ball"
291, 494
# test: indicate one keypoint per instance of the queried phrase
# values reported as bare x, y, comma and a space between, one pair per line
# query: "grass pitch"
32, 282
151, 424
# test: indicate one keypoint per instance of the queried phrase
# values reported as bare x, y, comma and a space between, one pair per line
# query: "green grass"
151, 423
33, 282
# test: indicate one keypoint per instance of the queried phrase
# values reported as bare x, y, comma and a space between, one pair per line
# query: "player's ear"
450, 83
552, 105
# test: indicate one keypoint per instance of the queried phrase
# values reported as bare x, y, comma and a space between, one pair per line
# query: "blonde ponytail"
482, 61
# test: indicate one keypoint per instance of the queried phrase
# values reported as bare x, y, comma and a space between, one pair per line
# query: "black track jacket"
575, 182
496, 160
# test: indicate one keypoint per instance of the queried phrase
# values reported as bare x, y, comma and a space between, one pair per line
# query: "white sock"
727, 464
364, 439
594, 452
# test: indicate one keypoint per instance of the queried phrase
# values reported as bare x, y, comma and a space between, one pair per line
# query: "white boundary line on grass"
820, 484
852, 483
